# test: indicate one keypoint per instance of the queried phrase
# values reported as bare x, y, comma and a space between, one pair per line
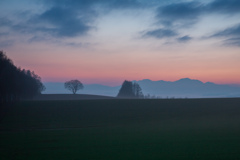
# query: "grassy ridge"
122, 129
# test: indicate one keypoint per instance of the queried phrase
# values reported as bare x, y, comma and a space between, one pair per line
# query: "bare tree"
73, 85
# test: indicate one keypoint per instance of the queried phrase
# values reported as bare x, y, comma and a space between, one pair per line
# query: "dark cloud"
64, 18
4, 22
232, 42
4, 34
76, 45
186, 14
125, 4
38, 39
56, 22
63, 22
231, 35
180, 11
189, 12
71, 18
224, 6
86, 4
179, 14
184, 39
229, 32
160, 33
57, 42
5, 41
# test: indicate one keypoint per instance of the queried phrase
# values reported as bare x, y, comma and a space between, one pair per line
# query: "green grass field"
167, 129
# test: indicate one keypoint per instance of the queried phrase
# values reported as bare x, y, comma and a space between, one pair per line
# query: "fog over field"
183, 88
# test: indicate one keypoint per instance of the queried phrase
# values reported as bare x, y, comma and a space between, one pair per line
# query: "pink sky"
113, 69
111, 42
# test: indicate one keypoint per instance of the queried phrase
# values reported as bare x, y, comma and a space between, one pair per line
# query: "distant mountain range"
183, 88
188, 88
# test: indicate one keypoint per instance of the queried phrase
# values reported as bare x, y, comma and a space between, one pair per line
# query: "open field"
47, 97
122, 129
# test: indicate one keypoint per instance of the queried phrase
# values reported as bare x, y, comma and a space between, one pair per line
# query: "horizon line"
101, 83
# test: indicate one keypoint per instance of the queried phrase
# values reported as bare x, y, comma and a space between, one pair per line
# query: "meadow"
113, 129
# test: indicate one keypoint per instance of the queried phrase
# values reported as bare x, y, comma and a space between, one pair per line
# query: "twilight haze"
108, 41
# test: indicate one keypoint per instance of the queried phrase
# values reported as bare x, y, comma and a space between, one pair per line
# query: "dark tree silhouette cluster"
17, 83
73, 85
130, 90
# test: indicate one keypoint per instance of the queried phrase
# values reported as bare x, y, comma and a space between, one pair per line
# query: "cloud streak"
231, 35
190, 12
160, 33
229, 32
173, 17
184, 39
232, 42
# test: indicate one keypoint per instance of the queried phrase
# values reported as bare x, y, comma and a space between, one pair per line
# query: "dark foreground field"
50, 97
187, 129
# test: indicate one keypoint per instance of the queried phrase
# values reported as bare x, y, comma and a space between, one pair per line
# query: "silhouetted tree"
137, 90
17, 83
73, 85
130, 90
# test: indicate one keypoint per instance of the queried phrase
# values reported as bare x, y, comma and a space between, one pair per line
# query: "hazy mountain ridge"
178, 89
188, 88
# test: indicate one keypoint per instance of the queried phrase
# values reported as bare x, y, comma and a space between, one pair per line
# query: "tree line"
17, 83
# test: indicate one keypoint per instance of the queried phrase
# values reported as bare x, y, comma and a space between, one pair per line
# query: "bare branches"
73, 85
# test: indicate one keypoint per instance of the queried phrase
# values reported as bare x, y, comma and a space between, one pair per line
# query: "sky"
109, 41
